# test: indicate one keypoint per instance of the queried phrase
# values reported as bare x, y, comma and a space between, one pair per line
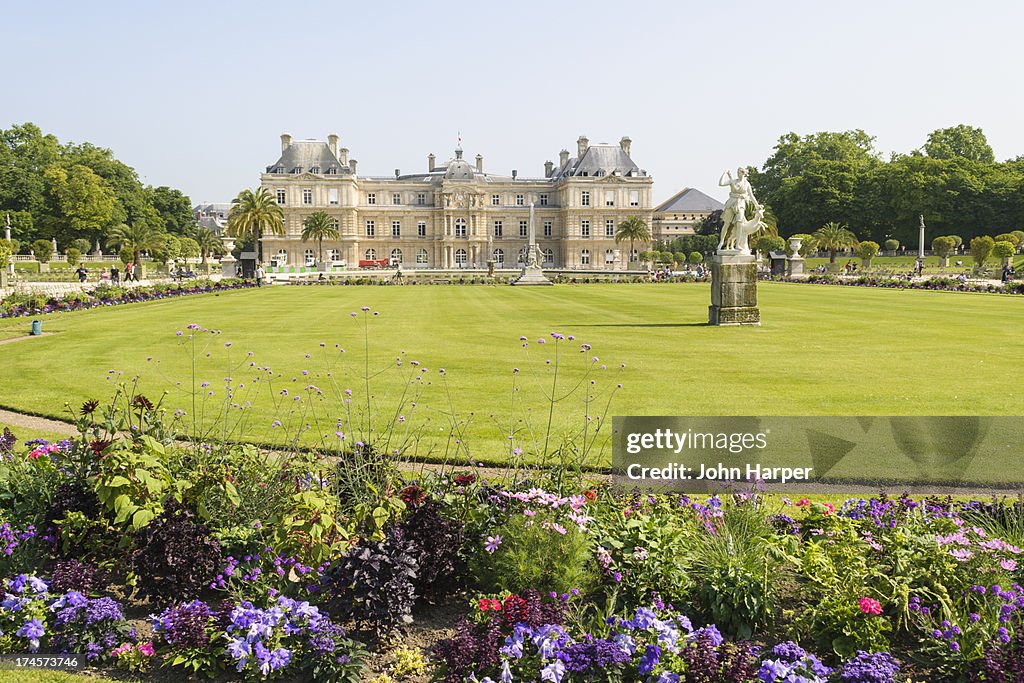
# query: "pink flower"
870, 606
34, 454
123, 649
146, 649
1008, 565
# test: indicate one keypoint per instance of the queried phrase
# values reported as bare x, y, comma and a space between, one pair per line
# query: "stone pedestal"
733, 290
532, 275
490, 268
44, 267
795, 265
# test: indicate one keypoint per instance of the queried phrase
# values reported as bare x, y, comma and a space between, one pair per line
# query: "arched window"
460, 257
460, 227
584, 257
396, 254
370, 255
282, 257
309, 255
609, 256
549, 257
634, 255
499, 256
422, 257
333, 255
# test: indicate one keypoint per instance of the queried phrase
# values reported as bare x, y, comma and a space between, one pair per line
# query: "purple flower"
492, 543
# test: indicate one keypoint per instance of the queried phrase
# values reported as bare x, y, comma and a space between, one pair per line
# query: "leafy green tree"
943, 246
678, 257
957, 239
319, 226
1003, 250
137, 239
892, 246
710, 225
209, 243
254, 213
171, 249
633, 229
1019, 234
867, 250
174, 207
126, 255
43, 249
189, 247
25, 152
767, 244
1008, 237
696, 257
87, 205
22, 224
5, 254
74, 256
82, 245
833, 238
981, 249
961, 141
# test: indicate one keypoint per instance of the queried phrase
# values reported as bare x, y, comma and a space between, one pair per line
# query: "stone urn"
794, 244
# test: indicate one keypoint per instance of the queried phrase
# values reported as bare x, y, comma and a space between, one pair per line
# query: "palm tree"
252, 214
208, 241
633, 229
317, 226
833, 237
138, 237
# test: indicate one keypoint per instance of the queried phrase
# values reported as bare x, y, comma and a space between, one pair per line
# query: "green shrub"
1003, 249
981, 248
5, 253
1008, 237
696, 257
678, 257
943, 246
867, 249
532, 553
43, 249
126, 255
73, 257
82, 245
892, 245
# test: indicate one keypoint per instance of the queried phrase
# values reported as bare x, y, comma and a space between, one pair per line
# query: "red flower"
483, 604
590, 495
803, 502
413, 495
870, 606
465, 479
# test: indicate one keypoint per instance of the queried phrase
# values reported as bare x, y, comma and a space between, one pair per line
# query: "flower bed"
944, 284
18, 305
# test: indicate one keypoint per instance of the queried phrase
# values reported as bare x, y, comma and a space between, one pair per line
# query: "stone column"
733, 290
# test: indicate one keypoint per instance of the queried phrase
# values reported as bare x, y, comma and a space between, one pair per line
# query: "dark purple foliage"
177, 556
185, 626
472, 649
71, 575
1002, 663
437, 541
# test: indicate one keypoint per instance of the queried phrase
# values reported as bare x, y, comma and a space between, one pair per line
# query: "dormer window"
297, 169
315, 169
332, 171
278, 169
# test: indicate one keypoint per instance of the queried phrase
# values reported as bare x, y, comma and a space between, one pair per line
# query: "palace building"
456, 214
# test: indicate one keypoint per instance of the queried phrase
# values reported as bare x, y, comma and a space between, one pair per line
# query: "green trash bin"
37, 328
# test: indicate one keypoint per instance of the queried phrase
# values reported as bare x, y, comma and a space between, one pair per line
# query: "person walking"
115, 275
82, 273
260, 274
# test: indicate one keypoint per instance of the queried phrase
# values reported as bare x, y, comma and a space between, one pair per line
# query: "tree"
254, 213
678, 257
1008, 237
1003, 250
189, 247
43, 249
961, 141
807, 245
892, 246
981, 248
209, 243
87, 205
1019, 234
319, 226
174, 207
943, 246
73, 256
5, 253
137, 239
766, 244
633, 229
711, 224
82, 245
867, 250
696, 257
833, 237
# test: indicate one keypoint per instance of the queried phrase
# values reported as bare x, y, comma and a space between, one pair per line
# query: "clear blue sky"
195, 94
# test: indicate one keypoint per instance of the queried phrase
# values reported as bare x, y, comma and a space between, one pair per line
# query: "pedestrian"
260, 274
104, 276
83, 273
115, 275
129, 270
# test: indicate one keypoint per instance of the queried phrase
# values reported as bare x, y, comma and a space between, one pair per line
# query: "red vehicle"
375, 263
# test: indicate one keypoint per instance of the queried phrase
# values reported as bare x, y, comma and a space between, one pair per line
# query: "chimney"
286, 141
332, 144
352, 165
581, 146
398, 173
343, 156
563, 157
624, 143
430, 162
479, 163
549, 168
514, 173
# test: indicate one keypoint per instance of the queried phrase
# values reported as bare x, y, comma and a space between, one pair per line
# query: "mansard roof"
689, 200
303, 155
600, 160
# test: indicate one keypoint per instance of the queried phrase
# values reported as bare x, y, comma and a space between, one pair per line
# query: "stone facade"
679, 214
443, 218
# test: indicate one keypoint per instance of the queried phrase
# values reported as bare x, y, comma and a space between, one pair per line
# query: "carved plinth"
794, 265
532, 275
733, 290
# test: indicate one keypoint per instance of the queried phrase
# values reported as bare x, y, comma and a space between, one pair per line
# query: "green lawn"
820, 351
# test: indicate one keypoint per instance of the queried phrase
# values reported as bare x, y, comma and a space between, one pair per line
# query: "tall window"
497, 228
422, 257
609, 228
282, 257
396, 254
634, 198
332, 195
520, 200
543, 200
585, 228
370, 254
585, 257
336, 223
310, 255
460, 257
609, 256
549, 257
547, 228
421, 198
584, 198
499, 256
495, 200
371, 197
609, 197
396, 228
333, 255
307, 196
371, 229
396, 198
280, 197
460, 227
524, 228
421, 228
